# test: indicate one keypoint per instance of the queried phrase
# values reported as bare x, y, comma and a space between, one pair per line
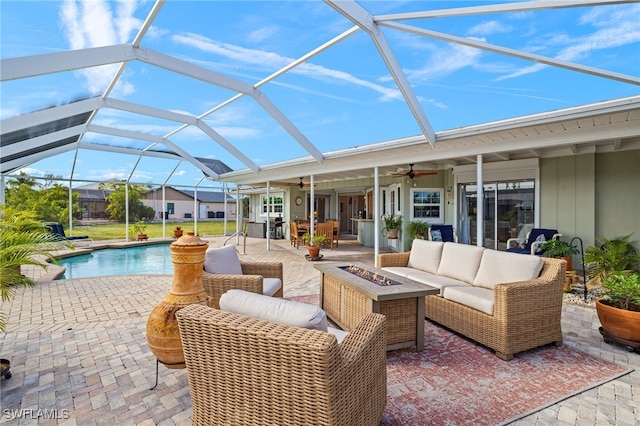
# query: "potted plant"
138, 229
613, 256
559, 249
619, 309
313, 244
614, 267
177, 232
417, 229
392, 224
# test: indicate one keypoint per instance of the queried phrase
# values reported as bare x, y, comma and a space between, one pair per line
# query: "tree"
49, 199
117, 201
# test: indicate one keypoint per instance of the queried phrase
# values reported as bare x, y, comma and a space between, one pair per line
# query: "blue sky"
341, 98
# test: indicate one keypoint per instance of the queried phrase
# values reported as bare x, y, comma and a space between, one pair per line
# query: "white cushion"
436, 281
222, 260
270, 286
477, 298
340, 334
460, 261
274, 309
425, 255
403, 271
501, 267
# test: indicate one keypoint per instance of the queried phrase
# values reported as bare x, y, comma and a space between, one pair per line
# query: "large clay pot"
314, 251
163, 334
392, 234
619, 323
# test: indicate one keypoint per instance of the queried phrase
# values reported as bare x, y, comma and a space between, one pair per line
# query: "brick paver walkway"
79, 355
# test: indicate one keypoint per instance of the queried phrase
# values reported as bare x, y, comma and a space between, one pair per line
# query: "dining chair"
326, 229
295, 234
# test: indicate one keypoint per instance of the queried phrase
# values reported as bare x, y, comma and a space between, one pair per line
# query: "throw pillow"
541, 239
222, 260
274, 309
436, 235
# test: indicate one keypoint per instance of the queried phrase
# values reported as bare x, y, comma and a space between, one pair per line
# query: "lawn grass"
117, 231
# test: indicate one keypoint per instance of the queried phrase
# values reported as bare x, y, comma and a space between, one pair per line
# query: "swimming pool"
152, 259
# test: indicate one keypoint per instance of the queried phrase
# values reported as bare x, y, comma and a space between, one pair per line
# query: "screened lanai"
149, 91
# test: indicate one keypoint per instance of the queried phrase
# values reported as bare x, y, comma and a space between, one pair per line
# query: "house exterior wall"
184, 206
591, 195
617, 207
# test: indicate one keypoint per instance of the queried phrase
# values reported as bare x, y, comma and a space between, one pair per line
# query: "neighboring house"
180, 204
92, 201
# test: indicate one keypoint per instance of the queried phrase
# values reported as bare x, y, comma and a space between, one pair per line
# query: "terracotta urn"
163, 334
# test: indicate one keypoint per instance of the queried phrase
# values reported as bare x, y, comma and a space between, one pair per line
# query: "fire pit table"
350, 291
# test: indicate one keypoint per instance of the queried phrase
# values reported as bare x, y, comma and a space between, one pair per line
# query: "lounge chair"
223, 271
248, 371
57, 230
443, 233
534, 239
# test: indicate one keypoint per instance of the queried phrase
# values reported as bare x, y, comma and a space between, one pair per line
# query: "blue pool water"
154, 259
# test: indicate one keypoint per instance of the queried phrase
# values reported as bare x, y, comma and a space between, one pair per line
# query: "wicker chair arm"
266, 269
514, 300
215, 285
393, 259
368, 336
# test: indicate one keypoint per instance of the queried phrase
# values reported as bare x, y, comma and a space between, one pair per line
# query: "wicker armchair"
253, 272
247, 371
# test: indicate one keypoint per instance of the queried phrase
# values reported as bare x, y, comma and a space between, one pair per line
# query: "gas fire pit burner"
373, 277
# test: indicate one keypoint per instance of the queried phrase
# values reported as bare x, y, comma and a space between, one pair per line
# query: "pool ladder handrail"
244, 247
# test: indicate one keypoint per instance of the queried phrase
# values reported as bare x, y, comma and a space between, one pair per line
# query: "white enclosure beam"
515, 53
496, 8
359, 16
226, 145
149, 111
288, 126
157, 139
49, 63
47, 115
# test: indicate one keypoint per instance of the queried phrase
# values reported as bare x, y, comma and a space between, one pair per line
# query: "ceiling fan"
415, 173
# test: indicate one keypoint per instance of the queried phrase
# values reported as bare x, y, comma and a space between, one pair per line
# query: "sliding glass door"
508, 211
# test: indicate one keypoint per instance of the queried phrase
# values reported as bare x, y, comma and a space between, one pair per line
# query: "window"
394, 200
427, 204
276, 203
170, 208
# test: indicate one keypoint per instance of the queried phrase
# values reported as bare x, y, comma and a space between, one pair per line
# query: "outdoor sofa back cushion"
460, 261
501, 267
425, 255
274, 309
222, 260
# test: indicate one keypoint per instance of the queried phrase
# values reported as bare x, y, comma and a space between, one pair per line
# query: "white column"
312, 207
376, 215
480, 203
268, 215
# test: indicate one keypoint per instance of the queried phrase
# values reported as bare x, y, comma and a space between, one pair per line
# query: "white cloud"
274, 61
445, 61
615, 27
262, 34
488, 28
92, 23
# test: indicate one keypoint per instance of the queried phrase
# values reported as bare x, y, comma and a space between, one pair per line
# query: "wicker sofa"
505, 301
248, 371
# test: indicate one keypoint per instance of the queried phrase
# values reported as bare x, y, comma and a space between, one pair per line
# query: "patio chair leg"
157, 367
